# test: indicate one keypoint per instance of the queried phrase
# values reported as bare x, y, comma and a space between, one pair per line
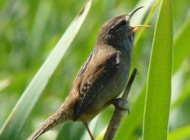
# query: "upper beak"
128, 16
136, 28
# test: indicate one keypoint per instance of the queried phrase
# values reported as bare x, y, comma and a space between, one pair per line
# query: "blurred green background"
29, 29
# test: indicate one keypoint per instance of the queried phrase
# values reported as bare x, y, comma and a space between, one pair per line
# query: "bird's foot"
121, 104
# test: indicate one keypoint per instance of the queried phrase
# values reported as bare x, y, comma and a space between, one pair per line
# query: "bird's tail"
63, 114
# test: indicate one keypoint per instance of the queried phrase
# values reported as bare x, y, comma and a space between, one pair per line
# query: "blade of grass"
17, 118
180, 133
158, 94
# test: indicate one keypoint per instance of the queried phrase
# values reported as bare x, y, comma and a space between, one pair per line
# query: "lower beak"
136, 28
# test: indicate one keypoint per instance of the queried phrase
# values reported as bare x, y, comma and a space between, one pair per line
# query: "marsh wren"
101, 78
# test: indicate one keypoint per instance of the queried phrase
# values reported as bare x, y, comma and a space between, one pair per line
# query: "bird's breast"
111, 91
119, 80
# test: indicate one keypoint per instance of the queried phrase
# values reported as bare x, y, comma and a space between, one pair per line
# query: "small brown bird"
102, 77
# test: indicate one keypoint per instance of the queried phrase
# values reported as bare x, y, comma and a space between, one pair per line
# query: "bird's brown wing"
92, 78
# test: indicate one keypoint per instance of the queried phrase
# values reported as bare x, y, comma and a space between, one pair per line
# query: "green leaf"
17, 118
181, 45
158, 94
180, 133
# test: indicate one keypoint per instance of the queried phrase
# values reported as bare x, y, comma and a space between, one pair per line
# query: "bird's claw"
122, 104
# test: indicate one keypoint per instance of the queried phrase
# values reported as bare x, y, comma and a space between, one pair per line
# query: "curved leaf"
158, 94
17, 118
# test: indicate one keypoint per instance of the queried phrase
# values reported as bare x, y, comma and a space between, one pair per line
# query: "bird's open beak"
136, 28
128, 16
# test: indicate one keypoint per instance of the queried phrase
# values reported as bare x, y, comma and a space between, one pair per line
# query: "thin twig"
118, 113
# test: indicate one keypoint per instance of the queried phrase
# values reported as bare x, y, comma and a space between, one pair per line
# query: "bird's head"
117, 30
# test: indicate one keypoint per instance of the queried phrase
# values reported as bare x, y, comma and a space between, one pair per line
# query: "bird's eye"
121, 24
118, 26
